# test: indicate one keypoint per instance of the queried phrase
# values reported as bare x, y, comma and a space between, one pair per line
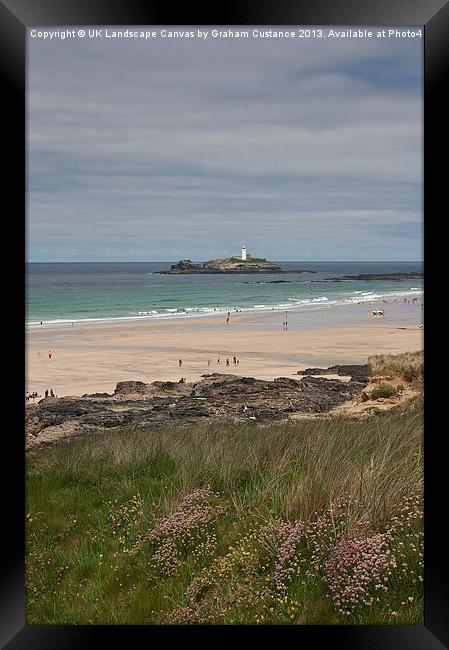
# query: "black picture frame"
15, 17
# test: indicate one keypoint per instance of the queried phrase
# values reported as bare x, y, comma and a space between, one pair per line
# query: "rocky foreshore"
393, 277
226, 398
357, 372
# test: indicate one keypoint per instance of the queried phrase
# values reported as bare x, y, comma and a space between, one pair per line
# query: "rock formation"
226, 398
358, 372
185, 265
226, 265
389, 277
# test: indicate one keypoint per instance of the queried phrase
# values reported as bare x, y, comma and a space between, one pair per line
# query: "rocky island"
246, 263
226, 265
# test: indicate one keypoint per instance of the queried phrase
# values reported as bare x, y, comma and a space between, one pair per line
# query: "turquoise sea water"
69, 292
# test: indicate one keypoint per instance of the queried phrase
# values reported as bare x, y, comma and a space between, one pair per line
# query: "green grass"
384, 391
408, 365
249, 260
92, 501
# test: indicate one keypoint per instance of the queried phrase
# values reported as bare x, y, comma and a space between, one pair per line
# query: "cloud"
145, 149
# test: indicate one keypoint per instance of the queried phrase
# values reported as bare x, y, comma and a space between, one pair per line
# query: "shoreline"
88, 358
206, 312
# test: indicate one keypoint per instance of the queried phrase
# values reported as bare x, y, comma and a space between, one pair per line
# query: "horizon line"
171, 261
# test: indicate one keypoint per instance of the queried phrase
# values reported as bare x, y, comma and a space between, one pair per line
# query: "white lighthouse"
243, 252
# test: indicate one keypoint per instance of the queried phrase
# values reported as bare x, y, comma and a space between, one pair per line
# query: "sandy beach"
91, 358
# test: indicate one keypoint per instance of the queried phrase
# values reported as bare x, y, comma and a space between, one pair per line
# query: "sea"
62, 293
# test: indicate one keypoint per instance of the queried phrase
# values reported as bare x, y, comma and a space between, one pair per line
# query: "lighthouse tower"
243, 252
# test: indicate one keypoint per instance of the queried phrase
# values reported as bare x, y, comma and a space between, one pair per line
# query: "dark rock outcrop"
96, 395
394, 277
185, 265
357, 372
131, 387
215, 396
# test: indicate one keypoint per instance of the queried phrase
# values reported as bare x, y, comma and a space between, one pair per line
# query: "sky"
157, 150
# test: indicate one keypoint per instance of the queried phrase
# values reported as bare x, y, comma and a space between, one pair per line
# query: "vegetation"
384, 391
249, 260
409, 365
315, 521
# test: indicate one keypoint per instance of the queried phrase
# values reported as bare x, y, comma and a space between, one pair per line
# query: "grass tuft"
408, 365
384, 391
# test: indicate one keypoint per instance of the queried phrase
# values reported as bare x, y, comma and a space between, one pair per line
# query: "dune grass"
385, 391
230, 524
408, 365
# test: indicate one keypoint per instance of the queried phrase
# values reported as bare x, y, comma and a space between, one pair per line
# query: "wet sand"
91, 358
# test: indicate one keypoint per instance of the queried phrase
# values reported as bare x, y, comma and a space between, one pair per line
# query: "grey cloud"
191, 146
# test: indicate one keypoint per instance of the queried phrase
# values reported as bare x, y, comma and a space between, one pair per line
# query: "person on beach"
50, 354
179, 362
218, 360
46, 392
227, 320
51, 392
227, 362
235, 360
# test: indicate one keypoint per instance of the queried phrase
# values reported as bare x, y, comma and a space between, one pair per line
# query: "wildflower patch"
187, 531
